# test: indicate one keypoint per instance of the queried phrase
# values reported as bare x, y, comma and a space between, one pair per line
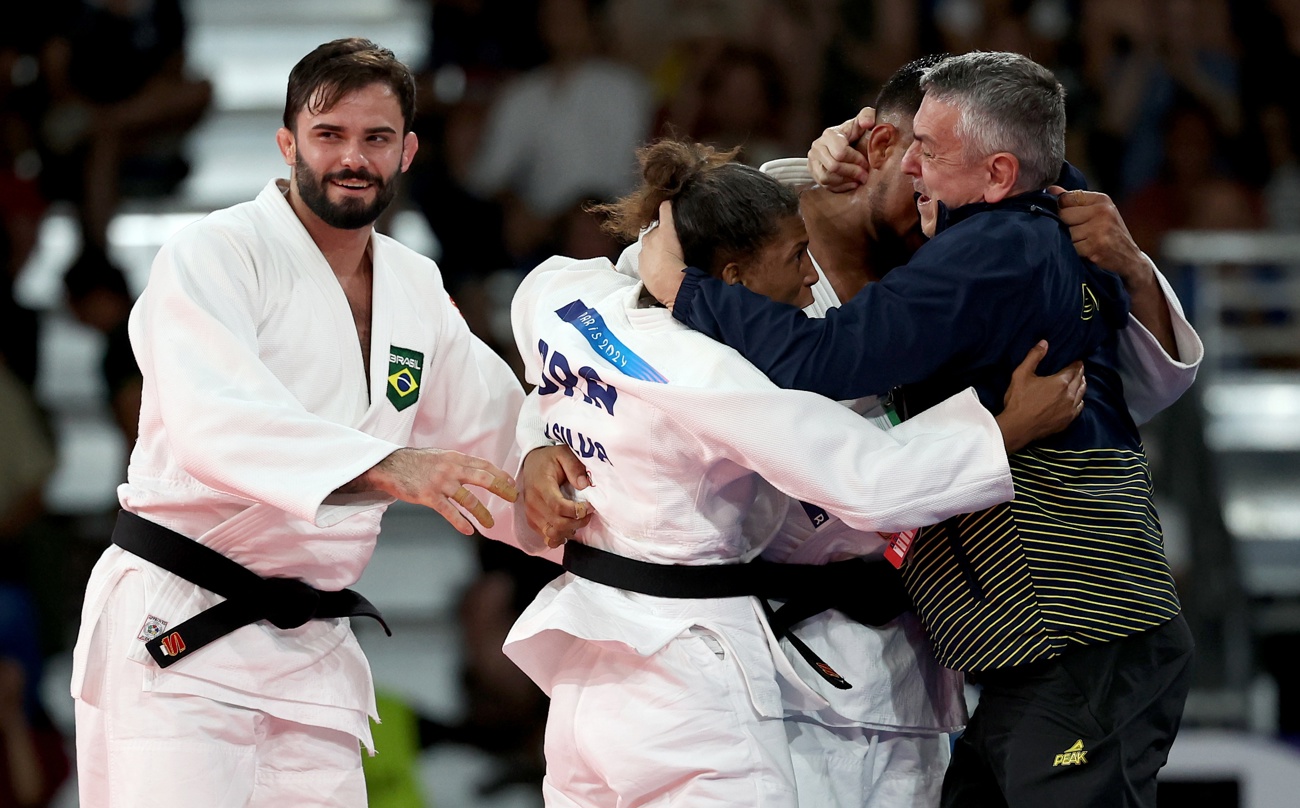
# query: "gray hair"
1007, 103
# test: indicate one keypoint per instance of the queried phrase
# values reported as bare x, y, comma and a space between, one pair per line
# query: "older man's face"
937, 163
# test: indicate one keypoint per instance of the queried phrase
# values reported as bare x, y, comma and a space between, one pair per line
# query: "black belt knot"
285, 603
289, 603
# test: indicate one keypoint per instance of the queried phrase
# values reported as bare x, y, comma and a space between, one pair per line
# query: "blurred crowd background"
1186, 112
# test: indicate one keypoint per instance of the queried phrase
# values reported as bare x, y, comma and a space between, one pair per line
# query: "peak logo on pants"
404, 368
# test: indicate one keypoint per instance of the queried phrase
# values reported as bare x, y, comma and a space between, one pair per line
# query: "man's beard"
352, 214
892, 249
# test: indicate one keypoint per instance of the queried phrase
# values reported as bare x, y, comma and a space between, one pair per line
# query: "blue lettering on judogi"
557, 375
605, 343
583, 446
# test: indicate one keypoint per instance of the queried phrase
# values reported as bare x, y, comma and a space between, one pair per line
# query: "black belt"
867, 590
284, 602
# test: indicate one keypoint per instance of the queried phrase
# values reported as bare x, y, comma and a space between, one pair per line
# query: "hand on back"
1037, 406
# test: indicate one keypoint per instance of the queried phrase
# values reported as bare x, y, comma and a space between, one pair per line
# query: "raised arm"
1160, 352
1100, 235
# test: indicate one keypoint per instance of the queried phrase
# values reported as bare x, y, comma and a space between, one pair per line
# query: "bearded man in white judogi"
301, 372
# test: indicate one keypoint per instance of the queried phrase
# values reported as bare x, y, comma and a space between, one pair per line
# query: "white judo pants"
853, 767
673, 729
138, 749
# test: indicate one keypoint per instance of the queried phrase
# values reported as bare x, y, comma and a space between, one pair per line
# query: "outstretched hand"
834, 162
437, 479
549, 511
1037, 406
661, 261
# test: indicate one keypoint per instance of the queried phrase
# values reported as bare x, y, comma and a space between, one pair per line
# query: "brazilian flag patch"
404, 367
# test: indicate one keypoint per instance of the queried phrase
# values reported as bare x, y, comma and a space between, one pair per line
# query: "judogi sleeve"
229, 421
1152, 379
531, 432
946, 461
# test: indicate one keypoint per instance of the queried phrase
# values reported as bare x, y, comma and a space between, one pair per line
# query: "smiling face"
781, 268
938, 165
347, 159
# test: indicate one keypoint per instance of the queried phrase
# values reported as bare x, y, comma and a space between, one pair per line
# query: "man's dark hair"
324, 76
902, 92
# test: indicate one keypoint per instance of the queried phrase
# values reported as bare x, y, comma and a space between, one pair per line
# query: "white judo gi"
884, 742
255, 409
657, 700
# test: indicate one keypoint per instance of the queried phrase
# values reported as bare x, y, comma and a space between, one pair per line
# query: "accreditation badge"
899, 544
404, 369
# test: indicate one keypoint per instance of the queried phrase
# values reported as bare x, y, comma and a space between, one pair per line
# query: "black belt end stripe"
284, 602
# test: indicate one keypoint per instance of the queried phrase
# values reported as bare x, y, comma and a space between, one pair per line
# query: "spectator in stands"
99, 297
1022, 26
23, 204
702, 57
122, 101
26, 462
474, 46
564, 130
1272, 108
1195, 188
22, 99
19, 324
869, 42
740, 99
469, 227
1140, 57
34, 761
